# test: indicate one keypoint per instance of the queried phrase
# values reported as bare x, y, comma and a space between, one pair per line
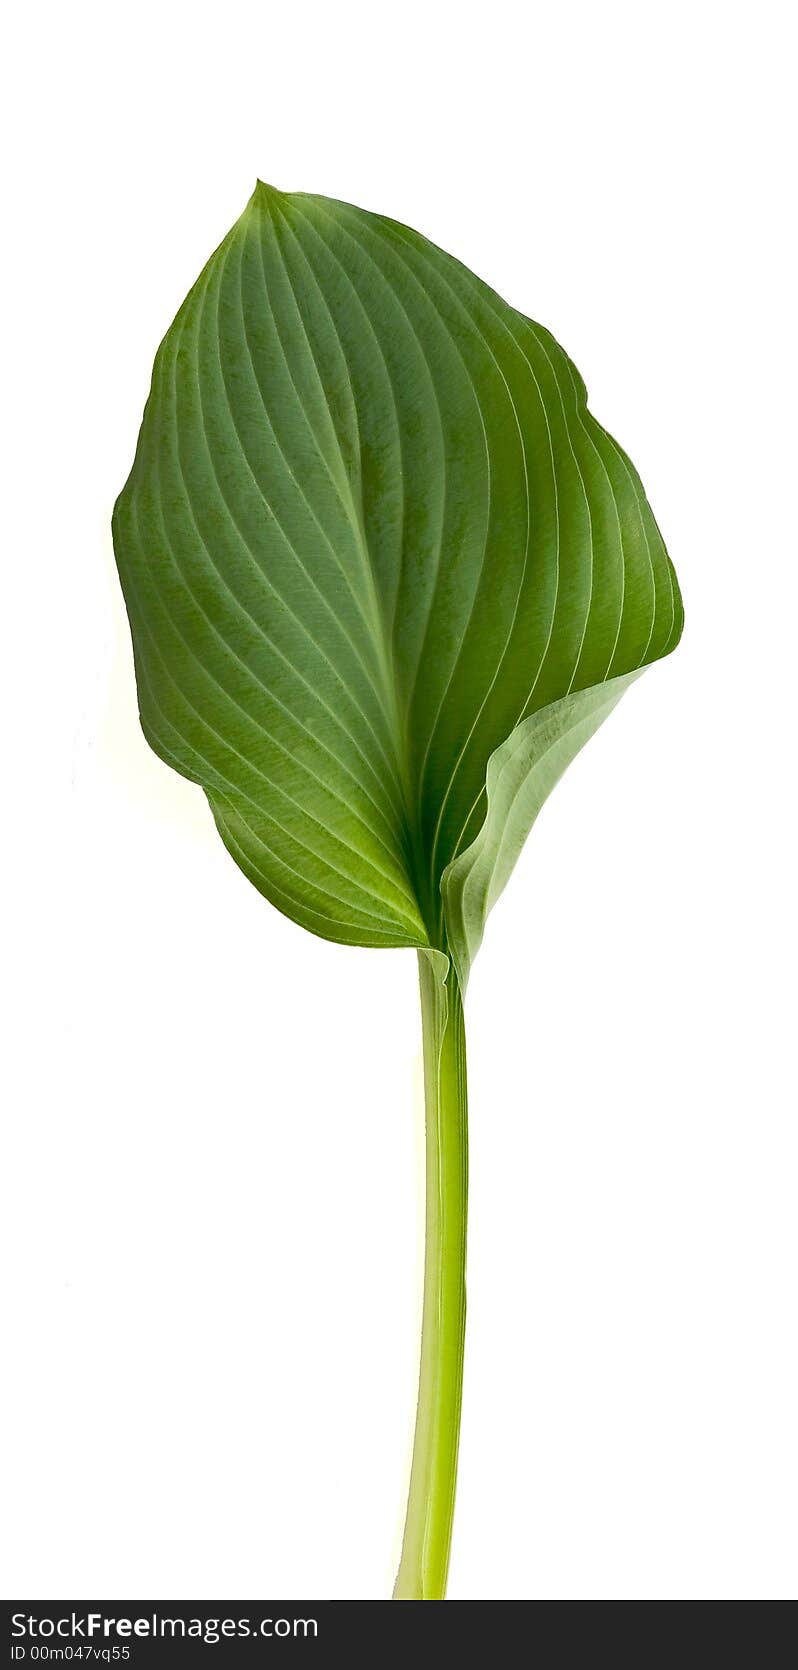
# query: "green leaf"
385, 575
373, 547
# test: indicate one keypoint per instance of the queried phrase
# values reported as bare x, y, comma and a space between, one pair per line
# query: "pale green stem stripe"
424, 1563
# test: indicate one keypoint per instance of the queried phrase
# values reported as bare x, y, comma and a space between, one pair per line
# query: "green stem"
428, 1527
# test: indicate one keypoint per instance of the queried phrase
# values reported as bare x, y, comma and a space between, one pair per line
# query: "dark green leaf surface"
385, 573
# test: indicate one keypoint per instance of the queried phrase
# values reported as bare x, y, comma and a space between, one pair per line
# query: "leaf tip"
265, 195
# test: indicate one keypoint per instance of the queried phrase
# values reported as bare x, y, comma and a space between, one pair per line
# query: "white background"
213, 1162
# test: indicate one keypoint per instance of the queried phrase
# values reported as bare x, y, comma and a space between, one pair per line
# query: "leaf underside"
385, 573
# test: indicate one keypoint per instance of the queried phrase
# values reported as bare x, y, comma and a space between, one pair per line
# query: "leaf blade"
371, 532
